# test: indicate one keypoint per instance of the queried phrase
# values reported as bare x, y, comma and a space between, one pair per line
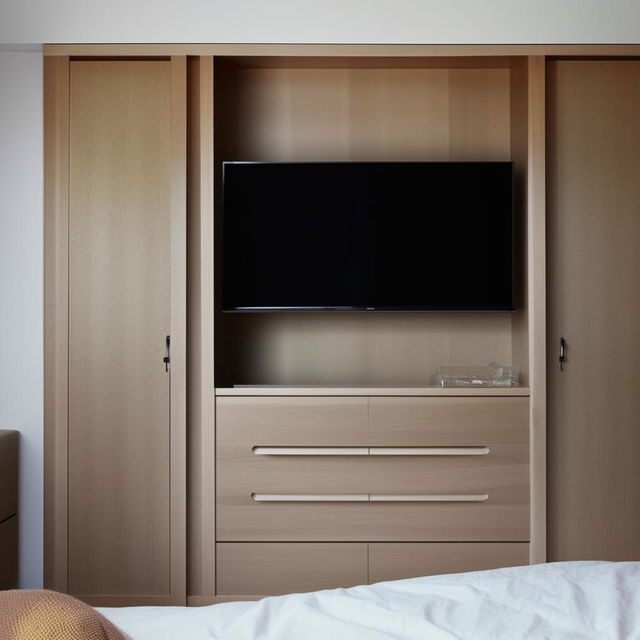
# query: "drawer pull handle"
311, 451
371, 451
310, 497
429, 451
366, 497
479, 497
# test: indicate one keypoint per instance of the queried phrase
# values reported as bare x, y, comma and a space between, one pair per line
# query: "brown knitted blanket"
47, 615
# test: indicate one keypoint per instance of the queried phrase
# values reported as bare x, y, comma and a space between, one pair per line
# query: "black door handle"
562, 358
167, 351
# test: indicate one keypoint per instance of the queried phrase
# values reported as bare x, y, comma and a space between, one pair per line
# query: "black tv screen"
368, 236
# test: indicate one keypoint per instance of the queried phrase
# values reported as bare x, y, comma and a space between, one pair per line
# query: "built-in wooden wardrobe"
308, 451
593, 248
116, 328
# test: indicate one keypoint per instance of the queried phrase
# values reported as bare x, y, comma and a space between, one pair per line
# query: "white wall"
21, 288
358, 21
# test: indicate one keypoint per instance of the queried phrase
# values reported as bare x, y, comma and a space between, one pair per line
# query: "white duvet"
567, 600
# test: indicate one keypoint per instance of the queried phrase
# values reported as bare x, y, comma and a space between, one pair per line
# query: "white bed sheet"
568, 600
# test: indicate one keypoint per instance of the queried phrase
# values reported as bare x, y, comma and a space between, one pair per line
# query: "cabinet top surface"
290, 49
276, 390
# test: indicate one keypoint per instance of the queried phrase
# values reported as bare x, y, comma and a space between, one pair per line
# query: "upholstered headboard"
8, 509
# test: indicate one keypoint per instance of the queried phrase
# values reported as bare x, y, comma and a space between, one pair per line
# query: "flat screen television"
368, 236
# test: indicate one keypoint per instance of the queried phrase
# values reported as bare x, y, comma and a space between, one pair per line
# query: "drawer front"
505, 519
371, 422
271, 569
450, 421
291, 421
379, 469
373, 497
396, 561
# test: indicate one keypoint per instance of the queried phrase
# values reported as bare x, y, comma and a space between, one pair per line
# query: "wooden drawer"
372, 422
291, 421
447, 421
373, 497
398, 560
277, 568
328, 468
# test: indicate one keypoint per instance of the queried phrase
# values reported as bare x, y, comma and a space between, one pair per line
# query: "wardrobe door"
593, 211
126, 424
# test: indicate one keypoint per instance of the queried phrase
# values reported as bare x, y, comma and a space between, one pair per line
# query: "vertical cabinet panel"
200, 399
594, 303
125, 237
56, 320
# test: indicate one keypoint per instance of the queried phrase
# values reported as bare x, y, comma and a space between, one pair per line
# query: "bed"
570, 600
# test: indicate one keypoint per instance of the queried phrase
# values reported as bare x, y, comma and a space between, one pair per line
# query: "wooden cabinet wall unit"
594, 159
116, 308
153, 475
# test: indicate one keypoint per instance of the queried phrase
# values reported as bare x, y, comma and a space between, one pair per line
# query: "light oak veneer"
297, 102
119, 315
396, 561
594, 302
272, 569
502, 474
115, 251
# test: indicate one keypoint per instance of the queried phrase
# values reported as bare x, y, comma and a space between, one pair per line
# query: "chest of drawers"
399, 486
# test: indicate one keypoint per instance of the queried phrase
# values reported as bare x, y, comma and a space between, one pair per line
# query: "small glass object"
493, 375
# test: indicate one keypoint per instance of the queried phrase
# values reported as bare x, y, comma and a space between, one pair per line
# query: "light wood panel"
594, 302
391, 114
178, 331
291, 421
298, 114
56, 321
312, 106
400, 560
479, 115
503, 517
201, 405
244, 423
276, 390
501, 475
126, 293
273, 568
371, 422
243, 472
519, 116
384, 50
536, 302
355, 350
447, 421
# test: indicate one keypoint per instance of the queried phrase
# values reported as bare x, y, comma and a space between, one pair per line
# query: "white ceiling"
327, 21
